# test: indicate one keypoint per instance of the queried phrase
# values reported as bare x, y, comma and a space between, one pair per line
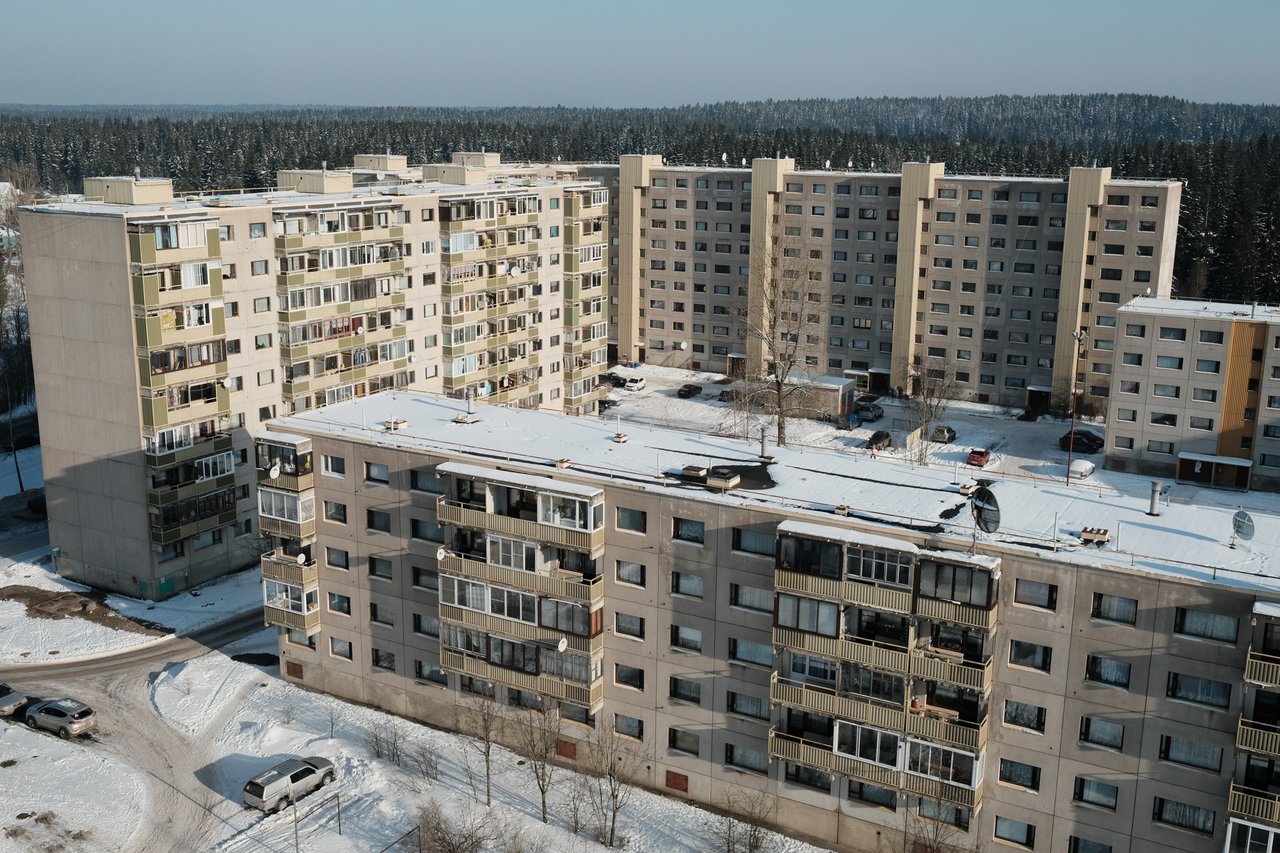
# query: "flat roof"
1195, 309
889, 497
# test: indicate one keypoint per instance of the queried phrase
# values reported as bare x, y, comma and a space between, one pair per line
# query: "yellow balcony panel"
1262, 668
1258, 737
309, 622
566, 586
945, 729
516, 630
1254, 805
214, 370
953, 670
877, 655
156, 331
147, 292
821, 757
591, 695
450, 512
288, 482
960, 614
926, 786
798, 694
300, 530
206, 446
287, 570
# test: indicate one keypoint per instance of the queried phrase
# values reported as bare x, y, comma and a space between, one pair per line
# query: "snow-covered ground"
32, 473
30, 639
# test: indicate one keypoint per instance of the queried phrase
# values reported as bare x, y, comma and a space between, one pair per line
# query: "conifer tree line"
1228, 154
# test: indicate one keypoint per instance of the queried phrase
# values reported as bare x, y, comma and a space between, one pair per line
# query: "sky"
613, 53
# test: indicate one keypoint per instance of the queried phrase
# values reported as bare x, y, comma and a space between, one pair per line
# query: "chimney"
1155, 498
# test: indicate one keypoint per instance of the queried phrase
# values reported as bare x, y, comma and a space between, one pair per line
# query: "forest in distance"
1227, 154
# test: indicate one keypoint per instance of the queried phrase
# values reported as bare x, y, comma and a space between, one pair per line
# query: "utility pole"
1080, 336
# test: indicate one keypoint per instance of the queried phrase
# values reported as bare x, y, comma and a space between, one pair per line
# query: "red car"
979, 457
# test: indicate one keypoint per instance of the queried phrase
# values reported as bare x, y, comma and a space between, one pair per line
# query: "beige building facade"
821, 632
166, 330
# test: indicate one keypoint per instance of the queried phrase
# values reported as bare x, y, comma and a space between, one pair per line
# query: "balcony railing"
518, 630
799, 694
865, 594
300, 530
1262, 668
927, 786
566, 586
822, 757
309, 622
452, 512
288, 482
1254, 805
591, 695
932, 724
960, 614
288, 570
1258, 737
887, 656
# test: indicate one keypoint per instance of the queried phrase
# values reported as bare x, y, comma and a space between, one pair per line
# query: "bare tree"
612, 762
536, 738
472, 831
481, 718
15, 338
927, 835
933, 388
741, 829
784, 325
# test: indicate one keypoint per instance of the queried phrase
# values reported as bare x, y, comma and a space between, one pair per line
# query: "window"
1201, 623
1114, 608
751, 598
1104, 670
634, 520
754, 760
940, 762
340, 648
753, 541
748, 706
1201, 691
631, 727
1172, 333
809, 615
686, 690
1100, 732
868, 744
1207, 365
955, 583
945, 812
380, 615
384, 660
1034, 655
1208, 337
1017, 773
376, 472
632, 573
334, 466
1015, 832
688, 530
380, 567
1095, 793
426, 578
686, 583
336, 557
377, 520
257, 229
689, 639
800, 775
1182, 815
682, 740
339, 603
745, 651
628, 625
335, 512
1084, 845
1024, 715
1035, 594
628, 676
1165, 447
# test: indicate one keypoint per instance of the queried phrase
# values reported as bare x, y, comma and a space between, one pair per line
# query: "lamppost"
1080, 335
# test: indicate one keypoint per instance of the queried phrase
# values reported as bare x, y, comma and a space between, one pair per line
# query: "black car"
613, 379
688, 390
605, 405
880, 440
1081, 441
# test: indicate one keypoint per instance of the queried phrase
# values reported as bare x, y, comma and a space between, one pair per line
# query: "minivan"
289, 781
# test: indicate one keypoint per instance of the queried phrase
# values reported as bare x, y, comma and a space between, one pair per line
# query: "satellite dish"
302, 559
441, 553
1242, 527
744, 161
828, 165
274, 472
724, 158
986, 510
850, 166
563, 644
227, 382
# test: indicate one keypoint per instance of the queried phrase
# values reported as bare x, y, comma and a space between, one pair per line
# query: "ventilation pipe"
1155, 498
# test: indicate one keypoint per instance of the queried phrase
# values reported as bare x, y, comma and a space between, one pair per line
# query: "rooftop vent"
394, 424
564, 463
723, 479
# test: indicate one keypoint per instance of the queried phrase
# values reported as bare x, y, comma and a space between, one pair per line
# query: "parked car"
10, 700
842, 422
979, 456
289, 781
67, 717
879, 440
943, 434
613, 379
635, 383
1081, 441
869, 412
688, 390
605, 405
1081, 469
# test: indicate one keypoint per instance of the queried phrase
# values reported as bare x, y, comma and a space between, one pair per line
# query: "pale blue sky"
608, 53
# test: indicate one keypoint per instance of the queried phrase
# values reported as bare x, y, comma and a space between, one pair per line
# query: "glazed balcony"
866, 595
958, 614
291, 243
165, 495
455, 513
591, 695
309, 622
927, 786
516, 630
822, 757
201, 446
566, 586
142, 249
147, 290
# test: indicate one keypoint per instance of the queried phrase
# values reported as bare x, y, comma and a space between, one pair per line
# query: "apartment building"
1197, 392
983, 277
830, 629
166, 330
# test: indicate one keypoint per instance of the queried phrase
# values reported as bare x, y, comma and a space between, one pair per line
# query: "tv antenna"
1242, 527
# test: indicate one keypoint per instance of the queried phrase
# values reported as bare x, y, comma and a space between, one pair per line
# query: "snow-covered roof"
920, 504
513, 478
812, 530
1196, 309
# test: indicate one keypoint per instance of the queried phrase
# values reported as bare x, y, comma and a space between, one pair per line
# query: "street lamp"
1080, 335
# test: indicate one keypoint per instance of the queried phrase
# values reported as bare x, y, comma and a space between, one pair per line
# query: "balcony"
288, 482
328, 239
1262, 668
142, 249
937, 666
156, 411
957, 614
953, 669
287, 570
202, 446
927, 786
147, 292
169, 535
165, 495
822, 757
452, 512
943, 727
1254, 805
309, 622
566, 586
1258, 737
212, 370
591, 695
299, 530
518, 630
866, 595
824, 700
155, 332
317, 275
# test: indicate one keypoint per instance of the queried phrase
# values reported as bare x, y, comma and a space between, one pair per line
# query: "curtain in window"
1182, 814
1194, 752
1018, 774
1118, 609
1113, 671
1202, 690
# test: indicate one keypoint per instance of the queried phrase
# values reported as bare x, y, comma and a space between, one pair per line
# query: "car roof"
70, 705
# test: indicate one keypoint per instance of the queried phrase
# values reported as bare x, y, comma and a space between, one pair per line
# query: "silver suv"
67, 717
289, 781
10, 700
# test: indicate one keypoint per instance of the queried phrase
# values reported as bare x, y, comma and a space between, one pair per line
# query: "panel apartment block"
831, 632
